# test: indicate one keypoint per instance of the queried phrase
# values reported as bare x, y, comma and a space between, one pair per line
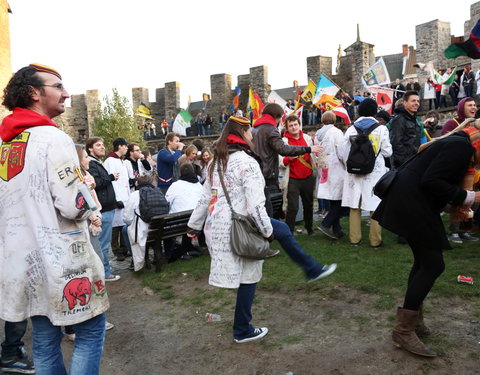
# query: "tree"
116, 120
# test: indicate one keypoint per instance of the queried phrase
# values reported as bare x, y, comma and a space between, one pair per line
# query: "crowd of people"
65, 206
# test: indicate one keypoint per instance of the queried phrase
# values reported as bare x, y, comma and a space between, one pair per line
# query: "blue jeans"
87, 350
105, 238
126, 239
13, 344
282, 234
243, 311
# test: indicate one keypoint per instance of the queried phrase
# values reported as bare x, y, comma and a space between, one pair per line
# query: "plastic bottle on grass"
213, 317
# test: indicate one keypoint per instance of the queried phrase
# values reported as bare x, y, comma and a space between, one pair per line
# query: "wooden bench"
163, 227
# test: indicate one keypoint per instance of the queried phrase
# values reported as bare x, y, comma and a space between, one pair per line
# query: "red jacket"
298, 166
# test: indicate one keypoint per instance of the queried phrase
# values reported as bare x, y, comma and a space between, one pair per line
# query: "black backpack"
361, 158
152, 203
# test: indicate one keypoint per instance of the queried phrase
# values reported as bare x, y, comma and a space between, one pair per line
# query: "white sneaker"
257, 334
326, 270
109, 326
112, 278
455, 238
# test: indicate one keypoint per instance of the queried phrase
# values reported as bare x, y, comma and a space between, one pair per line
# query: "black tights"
427, 267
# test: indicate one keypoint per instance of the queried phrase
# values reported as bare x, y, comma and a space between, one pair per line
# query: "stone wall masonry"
172, 98
92, 100
259, 81
74, 121
158, 108
317, 65
139, 95
222, 95
244, 82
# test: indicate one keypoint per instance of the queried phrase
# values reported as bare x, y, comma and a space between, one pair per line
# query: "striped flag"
254, 103
326, 90
470, 48
336, 107
182, 122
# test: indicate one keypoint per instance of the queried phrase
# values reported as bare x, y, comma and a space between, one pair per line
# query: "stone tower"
360, 57
5, 60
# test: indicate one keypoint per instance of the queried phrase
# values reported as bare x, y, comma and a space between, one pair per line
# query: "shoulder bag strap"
220, 175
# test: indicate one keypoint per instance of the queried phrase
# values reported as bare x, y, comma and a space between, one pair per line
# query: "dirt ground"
335, 332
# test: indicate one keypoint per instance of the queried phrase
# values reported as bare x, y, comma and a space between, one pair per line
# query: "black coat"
404, 136
423, 188
103, 185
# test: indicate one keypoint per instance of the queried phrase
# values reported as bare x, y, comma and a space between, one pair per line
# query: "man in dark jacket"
405, 132
268, 144
106, 197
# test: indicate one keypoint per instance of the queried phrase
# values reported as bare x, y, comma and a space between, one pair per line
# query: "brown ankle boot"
404, 335
421, 329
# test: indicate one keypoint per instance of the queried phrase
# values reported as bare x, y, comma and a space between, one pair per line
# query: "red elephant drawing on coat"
77, 289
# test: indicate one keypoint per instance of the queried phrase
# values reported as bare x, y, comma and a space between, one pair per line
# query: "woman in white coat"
331, 174
358, 189
245, 184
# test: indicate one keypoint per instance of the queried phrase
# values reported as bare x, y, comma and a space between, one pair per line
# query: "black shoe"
120, 258
186, 256
131, 267
310, 232
381, 244
327, 232
195, 253
468, 237
17, 365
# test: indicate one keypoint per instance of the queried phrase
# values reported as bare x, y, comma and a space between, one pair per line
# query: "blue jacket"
167, 167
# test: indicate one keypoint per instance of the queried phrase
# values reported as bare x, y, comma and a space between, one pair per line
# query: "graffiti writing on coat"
79, 289
100, 288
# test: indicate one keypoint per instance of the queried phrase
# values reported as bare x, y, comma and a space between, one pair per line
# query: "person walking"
243, 179
437, 176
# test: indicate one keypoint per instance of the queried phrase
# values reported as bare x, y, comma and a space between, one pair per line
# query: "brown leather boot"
404, 335
421, 329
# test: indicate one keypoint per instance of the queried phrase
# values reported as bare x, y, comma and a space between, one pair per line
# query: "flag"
182, 122
308, 92
143, 111
438, 79
236, 98
376, 75
254, 103
273, 97
470, 48
383, 97
336, 107
326, 90
298, 104
341, 112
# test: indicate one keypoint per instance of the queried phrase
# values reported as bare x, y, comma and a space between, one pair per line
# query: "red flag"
383, 97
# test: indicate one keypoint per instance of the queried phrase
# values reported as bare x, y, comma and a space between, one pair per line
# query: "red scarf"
265, 119
22, 119
233, 139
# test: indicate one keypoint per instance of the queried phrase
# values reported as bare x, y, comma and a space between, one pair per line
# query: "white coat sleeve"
63, 181
130, 207
385, 146
254, 185
200, 212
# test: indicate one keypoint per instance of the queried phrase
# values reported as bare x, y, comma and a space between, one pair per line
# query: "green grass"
382, 272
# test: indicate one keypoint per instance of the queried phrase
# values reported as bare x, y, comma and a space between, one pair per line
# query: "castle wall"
244, 82
317, 65
172, 98
222, 95
5, 58
259, 81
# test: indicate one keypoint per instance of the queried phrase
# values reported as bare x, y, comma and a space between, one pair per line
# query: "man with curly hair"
49, 271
